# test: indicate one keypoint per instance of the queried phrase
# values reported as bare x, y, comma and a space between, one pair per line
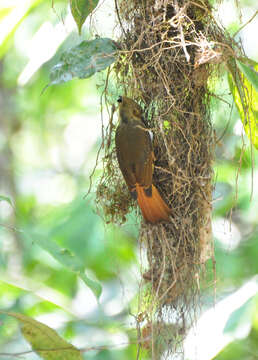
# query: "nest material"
167, 52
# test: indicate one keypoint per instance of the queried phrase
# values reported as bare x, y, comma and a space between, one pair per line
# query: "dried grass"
168, 51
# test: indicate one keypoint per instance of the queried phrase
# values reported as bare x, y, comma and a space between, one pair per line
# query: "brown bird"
135, 157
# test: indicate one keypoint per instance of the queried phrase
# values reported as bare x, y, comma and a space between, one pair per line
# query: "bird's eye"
119, 99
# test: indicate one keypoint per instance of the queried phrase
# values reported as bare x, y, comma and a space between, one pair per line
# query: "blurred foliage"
40, 336
81, 9
84, 60
243, 80
243, 348
48, 146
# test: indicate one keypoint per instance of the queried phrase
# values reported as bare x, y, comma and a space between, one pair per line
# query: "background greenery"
48, 147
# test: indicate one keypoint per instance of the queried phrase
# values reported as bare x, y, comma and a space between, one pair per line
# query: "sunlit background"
48, 147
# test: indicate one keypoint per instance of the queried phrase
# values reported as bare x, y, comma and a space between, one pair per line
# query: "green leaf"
243, 88
84, 60
249, 73
81, 9
240, 316
7, 199
69, 260
44, 340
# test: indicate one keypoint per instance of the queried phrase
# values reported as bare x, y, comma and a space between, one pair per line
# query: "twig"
241, 28
226, 127
119, 19
69, 348
182, 37
103, 137
55, 12
113, 109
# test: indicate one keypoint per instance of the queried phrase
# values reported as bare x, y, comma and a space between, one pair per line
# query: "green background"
48, 147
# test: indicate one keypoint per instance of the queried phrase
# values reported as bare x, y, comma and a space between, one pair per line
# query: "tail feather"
153, 208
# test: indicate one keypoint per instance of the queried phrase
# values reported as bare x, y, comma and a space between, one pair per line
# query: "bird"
135, 156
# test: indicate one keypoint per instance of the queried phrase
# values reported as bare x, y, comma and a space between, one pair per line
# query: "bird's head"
129, 110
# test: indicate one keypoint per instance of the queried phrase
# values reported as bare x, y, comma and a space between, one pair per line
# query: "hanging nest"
169, 49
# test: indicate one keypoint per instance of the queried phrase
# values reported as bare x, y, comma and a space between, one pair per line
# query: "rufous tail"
154, 208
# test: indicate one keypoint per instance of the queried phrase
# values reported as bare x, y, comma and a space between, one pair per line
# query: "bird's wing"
121, 153
143, 165
135, 155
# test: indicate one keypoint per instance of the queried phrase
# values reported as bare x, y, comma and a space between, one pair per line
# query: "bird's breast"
133, 143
